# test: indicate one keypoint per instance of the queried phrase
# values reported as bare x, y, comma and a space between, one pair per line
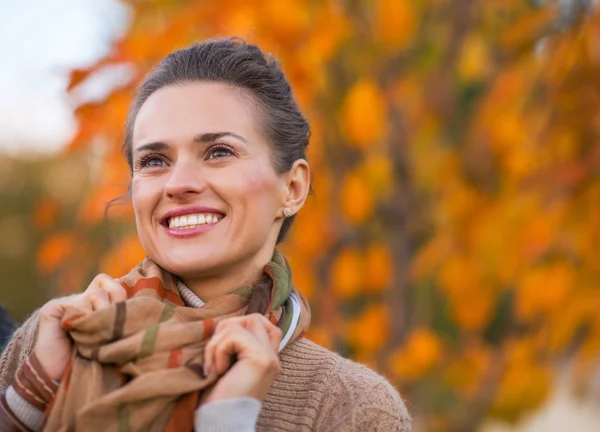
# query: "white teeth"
192, 221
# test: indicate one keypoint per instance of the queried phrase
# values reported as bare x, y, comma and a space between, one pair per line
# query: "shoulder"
361, 398
336, 393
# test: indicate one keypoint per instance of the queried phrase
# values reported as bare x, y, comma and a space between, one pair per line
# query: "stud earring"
287, 212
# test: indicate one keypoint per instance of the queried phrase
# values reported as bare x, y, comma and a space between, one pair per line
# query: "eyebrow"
204, 138
153, 146
214, 136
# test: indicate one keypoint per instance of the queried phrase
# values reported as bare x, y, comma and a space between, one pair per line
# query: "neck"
208, 287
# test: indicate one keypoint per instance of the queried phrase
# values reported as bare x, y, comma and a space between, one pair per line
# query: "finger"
235, 340
261, 327
275, 336
55, 309
116, 292
98, 299
257, 325
273, 332
111, 286
98, 281
211, 347
209, 350
81, 302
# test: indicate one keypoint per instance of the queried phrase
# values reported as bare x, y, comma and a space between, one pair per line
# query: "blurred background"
451, 240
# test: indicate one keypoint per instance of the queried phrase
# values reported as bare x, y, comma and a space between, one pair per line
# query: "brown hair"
243, 66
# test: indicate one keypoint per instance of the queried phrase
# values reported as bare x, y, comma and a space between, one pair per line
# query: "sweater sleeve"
228, 415
18, 414
358, 399
17, 350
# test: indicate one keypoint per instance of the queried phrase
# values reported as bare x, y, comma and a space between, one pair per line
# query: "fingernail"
206, 370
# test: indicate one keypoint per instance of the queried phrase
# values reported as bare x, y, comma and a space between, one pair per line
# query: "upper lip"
181, 211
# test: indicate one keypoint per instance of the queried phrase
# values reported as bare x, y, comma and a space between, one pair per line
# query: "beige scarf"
137, 365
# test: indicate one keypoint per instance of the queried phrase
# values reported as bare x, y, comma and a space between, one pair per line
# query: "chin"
186, 266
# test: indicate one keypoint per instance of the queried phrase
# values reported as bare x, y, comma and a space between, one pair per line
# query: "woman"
207, 331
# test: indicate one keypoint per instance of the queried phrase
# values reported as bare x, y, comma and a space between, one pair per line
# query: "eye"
151, 161
220, 151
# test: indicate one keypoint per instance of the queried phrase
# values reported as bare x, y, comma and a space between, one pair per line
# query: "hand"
53, 346
254, 340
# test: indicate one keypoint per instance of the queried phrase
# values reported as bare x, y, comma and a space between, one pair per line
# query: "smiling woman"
206, 333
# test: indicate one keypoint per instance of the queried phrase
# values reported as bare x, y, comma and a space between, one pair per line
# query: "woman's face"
206, 196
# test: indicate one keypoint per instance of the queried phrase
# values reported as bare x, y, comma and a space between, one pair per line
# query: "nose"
186, 180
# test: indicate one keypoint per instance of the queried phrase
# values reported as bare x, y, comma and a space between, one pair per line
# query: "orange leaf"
77, 76
364, 114
124, 257
421, 352
379, 267
369, 331
395, 23
286, 21
347, 273
543, 290
357, 201
54, 251
45, 213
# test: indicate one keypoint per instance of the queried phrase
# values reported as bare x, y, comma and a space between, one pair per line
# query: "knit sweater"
316, 390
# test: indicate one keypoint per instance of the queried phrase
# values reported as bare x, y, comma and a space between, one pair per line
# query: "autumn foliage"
451, 240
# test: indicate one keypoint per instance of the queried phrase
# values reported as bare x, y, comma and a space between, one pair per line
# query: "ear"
297, 182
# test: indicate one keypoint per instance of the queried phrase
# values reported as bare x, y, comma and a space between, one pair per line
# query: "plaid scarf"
137, 365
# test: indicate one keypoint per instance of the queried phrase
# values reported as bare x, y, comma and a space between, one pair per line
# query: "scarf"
137, 365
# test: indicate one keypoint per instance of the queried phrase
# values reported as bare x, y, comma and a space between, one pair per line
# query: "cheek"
143, 198
259, 190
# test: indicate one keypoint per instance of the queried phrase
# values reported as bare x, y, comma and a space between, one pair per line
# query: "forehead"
182, 111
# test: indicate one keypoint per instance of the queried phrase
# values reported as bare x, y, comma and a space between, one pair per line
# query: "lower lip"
190, 232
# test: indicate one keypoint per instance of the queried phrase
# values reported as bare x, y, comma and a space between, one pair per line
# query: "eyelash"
144, 160
220, 146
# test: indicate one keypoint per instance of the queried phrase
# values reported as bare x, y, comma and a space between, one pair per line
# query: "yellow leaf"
467, 372
523, 387
378, 171
471, 302
474, 62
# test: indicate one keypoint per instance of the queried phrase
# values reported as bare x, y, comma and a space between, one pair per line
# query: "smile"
183, 222
193, 220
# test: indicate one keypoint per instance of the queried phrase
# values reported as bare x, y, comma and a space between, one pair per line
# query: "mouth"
191, 220
194, 220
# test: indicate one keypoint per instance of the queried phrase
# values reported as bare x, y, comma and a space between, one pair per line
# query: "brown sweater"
316, 390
